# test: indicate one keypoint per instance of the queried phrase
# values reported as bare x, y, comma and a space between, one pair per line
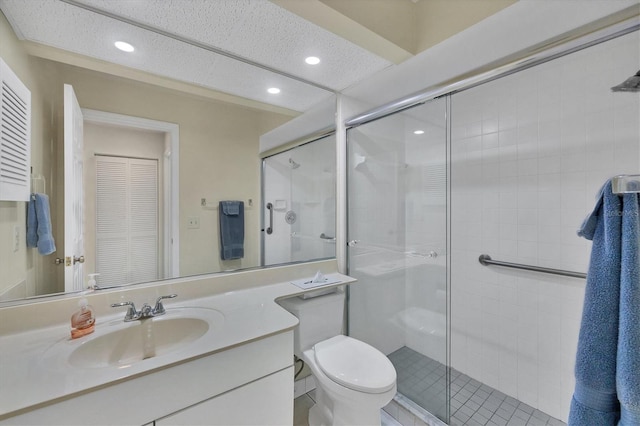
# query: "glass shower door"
397, 222
299, 190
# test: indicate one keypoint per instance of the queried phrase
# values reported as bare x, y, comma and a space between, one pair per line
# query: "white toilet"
353, 379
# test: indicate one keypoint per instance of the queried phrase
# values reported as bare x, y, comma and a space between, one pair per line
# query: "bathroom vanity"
223, 388
225, 358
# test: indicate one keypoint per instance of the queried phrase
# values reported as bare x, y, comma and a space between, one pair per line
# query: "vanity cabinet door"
267, 401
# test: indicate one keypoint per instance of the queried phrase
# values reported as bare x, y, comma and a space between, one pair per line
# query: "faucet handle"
159, 308
132, 314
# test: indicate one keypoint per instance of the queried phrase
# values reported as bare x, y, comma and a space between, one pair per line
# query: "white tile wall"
304, 385
529, 153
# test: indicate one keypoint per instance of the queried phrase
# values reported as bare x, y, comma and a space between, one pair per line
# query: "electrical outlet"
16, 238
193, 222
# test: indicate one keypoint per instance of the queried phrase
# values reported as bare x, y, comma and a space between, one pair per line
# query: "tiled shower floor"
473, 403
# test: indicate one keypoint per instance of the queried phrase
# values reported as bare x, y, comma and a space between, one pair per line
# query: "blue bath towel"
231, 217
39, 232
32, 223
608, 358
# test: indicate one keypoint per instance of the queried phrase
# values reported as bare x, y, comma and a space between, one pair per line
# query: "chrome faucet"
146, 311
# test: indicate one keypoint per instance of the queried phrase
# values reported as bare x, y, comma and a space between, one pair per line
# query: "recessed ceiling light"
124, 46
273, 90
418, 132
312, 60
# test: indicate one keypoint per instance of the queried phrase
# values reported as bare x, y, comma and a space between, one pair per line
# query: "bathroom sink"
119, 344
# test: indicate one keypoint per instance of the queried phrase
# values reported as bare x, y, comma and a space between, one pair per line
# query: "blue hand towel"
231, 217
32, 223
231, 208
45, 242
608, 360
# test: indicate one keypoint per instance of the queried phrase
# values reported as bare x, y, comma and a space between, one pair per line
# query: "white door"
73, 192
126, 220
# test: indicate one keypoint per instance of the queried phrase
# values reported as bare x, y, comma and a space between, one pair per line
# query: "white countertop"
30, 376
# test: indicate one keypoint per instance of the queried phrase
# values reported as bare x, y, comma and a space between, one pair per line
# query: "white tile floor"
303, 403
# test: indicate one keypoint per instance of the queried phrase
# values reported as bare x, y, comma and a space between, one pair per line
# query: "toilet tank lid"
355, 364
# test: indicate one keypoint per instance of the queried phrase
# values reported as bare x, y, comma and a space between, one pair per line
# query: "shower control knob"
353, 243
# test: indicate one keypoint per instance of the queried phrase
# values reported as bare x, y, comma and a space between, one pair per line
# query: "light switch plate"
193, 222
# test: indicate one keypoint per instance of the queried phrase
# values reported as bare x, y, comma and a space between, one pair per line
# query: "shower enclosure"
508, 168
298, 193
397, 222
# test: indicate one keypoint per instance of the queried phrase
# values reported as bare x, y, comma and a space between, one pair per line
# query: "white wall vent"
15, 136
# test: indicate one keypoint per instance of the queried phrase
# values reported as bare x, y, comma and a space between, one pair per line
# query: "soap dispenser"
91, 283
83, 321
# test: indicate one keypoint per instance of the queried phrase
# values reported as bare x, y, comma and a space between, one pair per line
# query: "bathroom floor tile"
423, 380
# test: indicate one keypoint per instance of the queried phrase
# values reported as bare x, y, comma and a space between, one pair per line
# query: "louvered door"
126, 220
15, 136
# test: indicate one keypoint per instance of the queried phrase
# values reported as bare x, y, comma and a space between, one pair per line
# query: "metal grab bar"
485, 260
270, 228
323, 238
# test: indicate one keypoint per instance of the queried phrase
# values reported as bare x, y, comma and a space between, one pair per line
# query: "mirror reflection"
300, 196
158, 157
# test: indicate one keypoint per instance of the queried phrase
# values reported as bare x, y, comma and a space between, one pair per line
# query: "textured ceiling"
178, 38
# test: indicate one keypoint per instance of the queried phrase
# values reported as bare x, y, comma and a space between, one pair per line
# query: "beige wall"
417, 25
441, 19
395, 20
26, 265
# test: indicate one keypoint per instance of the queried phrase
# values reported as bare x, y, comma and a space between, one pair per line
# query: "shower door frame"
447, 218
581, 38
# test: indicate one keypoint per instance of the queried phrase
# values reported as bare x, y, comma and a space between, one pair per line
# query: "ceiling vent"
15, 136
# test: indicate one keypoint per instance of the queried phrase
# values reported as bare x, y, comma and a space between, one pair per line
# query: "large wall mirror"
169, 131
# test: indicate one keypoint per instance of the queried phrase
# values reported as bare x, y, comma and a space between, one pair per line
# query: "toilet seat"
355, 364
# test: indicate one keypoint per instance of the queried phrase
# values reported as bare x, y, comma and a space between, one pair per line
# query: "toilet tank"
320, 317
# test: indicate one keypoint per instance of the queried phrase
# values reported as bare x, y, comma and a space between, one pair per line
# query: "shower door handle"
270, 228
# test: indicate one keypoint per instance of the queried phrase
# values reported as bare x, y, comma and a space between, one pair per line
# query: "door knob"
78, 260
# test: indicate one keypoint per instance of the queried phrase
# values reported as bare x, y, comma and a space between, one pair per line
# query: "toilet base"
344, 407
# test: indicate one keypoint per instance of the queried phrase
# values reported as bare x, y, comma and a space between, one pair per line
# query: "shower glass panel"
299, 192
397, 222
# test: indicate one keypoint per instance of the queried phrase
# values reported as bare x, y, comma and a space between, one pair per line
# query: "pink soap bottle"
83, 321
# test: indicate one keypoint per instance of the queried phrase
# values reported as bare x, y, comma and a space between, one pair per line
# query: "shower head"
632, 84
293, 164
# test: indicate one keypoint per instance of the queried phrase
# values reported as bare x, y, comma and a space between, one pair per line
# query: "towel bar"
486, 260
625, 184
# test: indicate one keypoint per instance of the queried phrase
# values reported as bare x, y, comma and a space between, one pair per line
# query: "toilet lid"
355, 364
